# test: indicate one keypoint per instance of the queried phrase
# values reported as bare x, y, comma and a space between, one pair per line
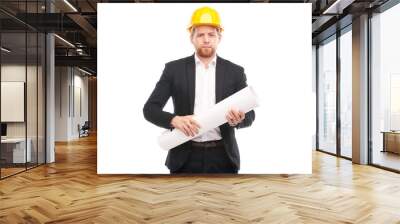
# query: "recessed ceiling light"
5, 49
84, 71
64, 40
338, 6
70, 5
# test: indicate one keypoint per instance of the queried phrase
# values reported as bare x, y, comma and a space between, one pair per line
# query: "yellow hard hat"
205, 16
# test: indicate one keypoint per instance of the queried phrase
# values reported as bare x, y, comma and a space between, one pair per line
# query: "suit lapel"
191, 81
219, 80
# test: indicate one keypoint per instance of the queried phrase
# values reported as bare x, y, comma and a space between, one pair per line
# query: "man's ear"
191, 39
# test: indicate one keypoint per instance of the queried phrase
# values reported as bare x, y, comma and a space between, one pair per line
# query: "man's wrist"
171, 123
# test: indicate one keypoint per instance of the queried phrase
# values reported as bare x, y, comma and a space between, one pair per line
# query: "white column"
50, 92
360, 90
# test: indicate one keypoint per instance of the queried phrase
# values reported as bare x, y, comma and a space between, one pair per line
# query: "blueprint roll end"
256, 98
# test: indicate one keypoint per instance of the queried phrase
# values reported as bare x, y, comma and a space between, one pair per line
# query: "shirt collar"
213, 61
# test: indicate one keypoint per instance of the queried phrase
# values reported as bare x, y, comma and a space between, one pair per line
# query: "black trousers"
207, 159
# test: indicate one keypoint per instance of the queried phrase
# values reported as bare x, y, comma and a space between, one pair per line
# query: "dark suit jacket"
178, 81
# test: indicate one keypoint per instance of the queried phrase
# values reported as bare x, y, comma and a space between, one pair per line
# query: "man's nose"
206, 39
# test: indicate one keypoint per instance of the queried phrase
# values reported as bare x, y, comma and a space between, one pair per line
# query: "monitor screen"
3, 129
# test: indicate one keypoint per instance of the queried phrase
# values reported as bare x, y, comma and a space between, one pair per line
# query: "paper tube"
244, 100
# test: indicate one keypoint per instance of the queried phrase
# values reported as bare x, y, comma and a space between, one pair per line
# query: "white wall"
34, 125
61, 103
15, 72
68, 83
314, 91
80, 83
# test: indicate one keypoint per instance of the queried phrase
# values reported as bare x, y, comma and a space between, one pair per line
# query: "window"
327, 96
346, 92
385, 88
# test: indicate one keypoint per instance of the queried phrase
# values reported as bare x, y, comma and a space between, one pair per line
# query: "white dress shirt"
205, 95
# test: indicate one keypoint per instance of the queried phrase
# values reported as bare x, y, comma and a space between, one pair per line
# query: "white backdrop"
271, 41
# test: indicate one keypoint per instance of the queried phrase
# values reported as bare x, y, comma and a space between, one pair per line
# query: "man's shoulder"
180, 61
231, 64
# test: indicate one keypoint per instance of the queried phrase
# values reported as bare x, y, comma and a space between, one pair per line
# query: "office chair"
84, 130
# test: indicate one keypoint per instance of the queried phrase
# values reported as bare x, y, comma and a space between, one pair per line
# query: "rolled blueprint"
244, 100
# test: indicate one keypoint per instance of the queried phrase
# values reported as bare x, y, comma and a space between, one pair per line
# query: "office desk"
391, 141
13, 150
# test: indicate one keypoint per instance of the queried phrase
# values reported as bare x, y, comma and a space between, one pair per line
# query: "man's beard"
205, 52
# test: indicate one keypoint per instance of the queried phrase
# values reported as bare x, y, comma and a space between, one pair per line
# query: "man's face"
205, 40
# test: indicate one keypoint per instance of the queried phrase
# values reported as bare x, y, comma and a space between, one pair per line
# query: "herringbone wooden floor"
70, 191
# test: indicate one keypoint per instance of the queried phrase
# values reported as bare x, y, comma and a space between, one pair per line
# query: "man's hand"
186, 124
234, 117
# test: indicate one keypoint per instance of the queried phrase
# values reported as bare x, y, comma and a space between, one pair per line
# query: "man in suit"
195, 84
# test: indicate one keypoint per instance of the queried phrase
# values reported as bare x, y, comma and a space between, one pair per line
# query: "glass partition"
327, 96
22, 63
14, 154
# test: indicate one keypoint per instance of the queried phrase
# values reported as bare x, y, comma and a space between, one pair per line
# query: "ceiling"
76, 22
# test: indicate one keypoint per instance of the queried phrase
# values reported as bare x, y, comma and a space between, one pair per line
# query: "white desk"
18, 149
